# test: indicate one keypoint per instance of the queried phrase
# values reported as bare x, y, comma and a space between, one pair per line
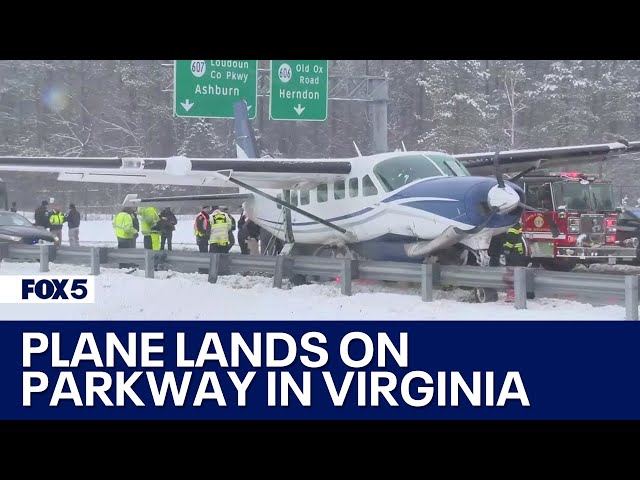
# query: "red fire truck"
586, 215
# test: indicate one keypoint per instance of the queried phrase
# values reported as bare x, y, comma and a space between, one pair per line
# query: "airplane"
415, 206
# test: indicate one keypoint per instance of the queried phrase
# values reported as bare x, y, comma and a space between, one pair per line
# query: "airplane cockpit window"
368, 187
353, 187
338, 190
294, 197
450, 165
322, 194
396, 172
279, 197
304, 197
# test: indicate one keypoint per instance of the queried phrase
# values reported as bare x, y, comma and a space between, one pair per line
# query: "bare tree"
515, 100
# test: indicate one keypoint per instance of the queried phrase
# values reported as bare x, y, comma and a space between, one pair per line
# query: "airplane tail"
245, 140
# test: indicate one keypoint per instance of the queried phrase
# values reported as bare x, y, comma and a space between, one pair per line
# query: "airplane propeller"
555, 230
496, 164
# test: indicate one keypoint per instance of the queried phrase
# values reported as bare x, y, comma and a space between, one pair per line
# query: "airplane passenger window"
396, 172
368, 187
322, 193
304, 197
294, 197
338, 190
353, 187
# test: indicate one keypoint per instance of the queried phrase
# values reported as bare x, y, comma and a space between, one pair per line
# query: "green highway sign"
299, 90
209, 88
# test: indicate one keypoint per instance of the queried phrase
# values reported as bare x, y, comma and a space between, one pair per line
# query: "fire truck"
583, 211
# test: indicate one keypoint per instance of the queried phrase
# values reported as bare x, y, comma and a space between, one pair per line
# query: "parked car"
14, 228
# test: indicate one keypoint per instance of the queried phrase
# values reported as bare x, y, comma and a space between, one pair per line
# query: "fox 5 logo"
47, 289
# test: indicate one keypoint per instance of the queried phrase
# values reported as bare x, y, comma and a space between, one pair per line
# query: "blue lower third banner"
320, 370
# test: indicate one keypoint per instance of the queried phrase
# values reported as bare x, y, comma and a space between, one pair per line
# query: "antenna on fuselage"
357, 149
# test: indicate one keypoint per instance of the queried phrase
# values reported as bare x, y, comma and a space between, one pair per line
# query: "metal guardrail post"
427, 282
282, 269
520, 287
346, 276
631, 297
214, 264
95, 261
149, 263
44, 258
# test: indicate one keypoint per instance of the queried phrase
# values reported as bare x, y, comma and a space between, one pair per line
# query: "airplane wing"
518, 160
202, 172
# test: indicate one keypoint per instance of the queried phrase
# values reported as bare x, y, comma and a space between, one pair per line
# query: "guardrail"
592, 287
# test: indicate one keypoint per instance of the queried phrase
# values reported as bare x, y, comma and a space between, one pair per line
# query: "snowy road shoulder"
190, 297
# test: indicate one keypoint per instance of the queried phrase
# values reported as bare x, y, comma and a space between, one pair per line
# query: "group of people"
214, 227
156, 227
54, 220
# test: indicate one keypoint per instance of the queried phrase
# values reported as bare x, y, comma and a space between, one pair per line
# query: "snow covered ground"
132, 297
184, 297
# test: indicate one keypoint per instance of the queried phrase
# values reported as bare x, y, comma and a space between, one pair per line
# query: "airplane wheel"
485, 295
297, 280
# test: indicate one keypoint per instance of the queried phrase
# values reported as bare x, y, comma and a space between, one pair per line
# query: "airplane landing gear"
483, 294
323, 251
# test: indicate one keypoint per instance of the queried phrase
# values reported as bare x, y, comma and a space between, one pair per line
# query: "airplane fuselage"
366, 204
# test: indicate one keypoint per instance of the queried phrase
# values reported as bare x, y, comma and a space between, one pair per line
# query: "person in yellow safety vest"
56, 221
149, 218
220, 230
124, 228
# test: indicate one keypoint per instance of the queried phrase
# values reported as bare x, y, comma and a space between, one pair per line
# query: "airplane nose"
503, 199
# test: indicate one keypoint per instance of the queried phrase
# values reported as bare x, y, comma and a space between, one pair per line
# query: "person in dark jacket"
167, 225
242, 235
41, 217
253, 237
73, 222
14, 208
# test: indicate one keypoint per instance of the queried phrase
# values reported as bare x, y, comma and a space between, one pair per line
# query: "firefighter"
515, 256
220, 232
513, 247
149, 218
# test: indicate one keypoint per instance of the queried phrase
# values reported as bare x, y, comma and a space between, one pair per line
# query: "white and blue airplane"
396, 206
